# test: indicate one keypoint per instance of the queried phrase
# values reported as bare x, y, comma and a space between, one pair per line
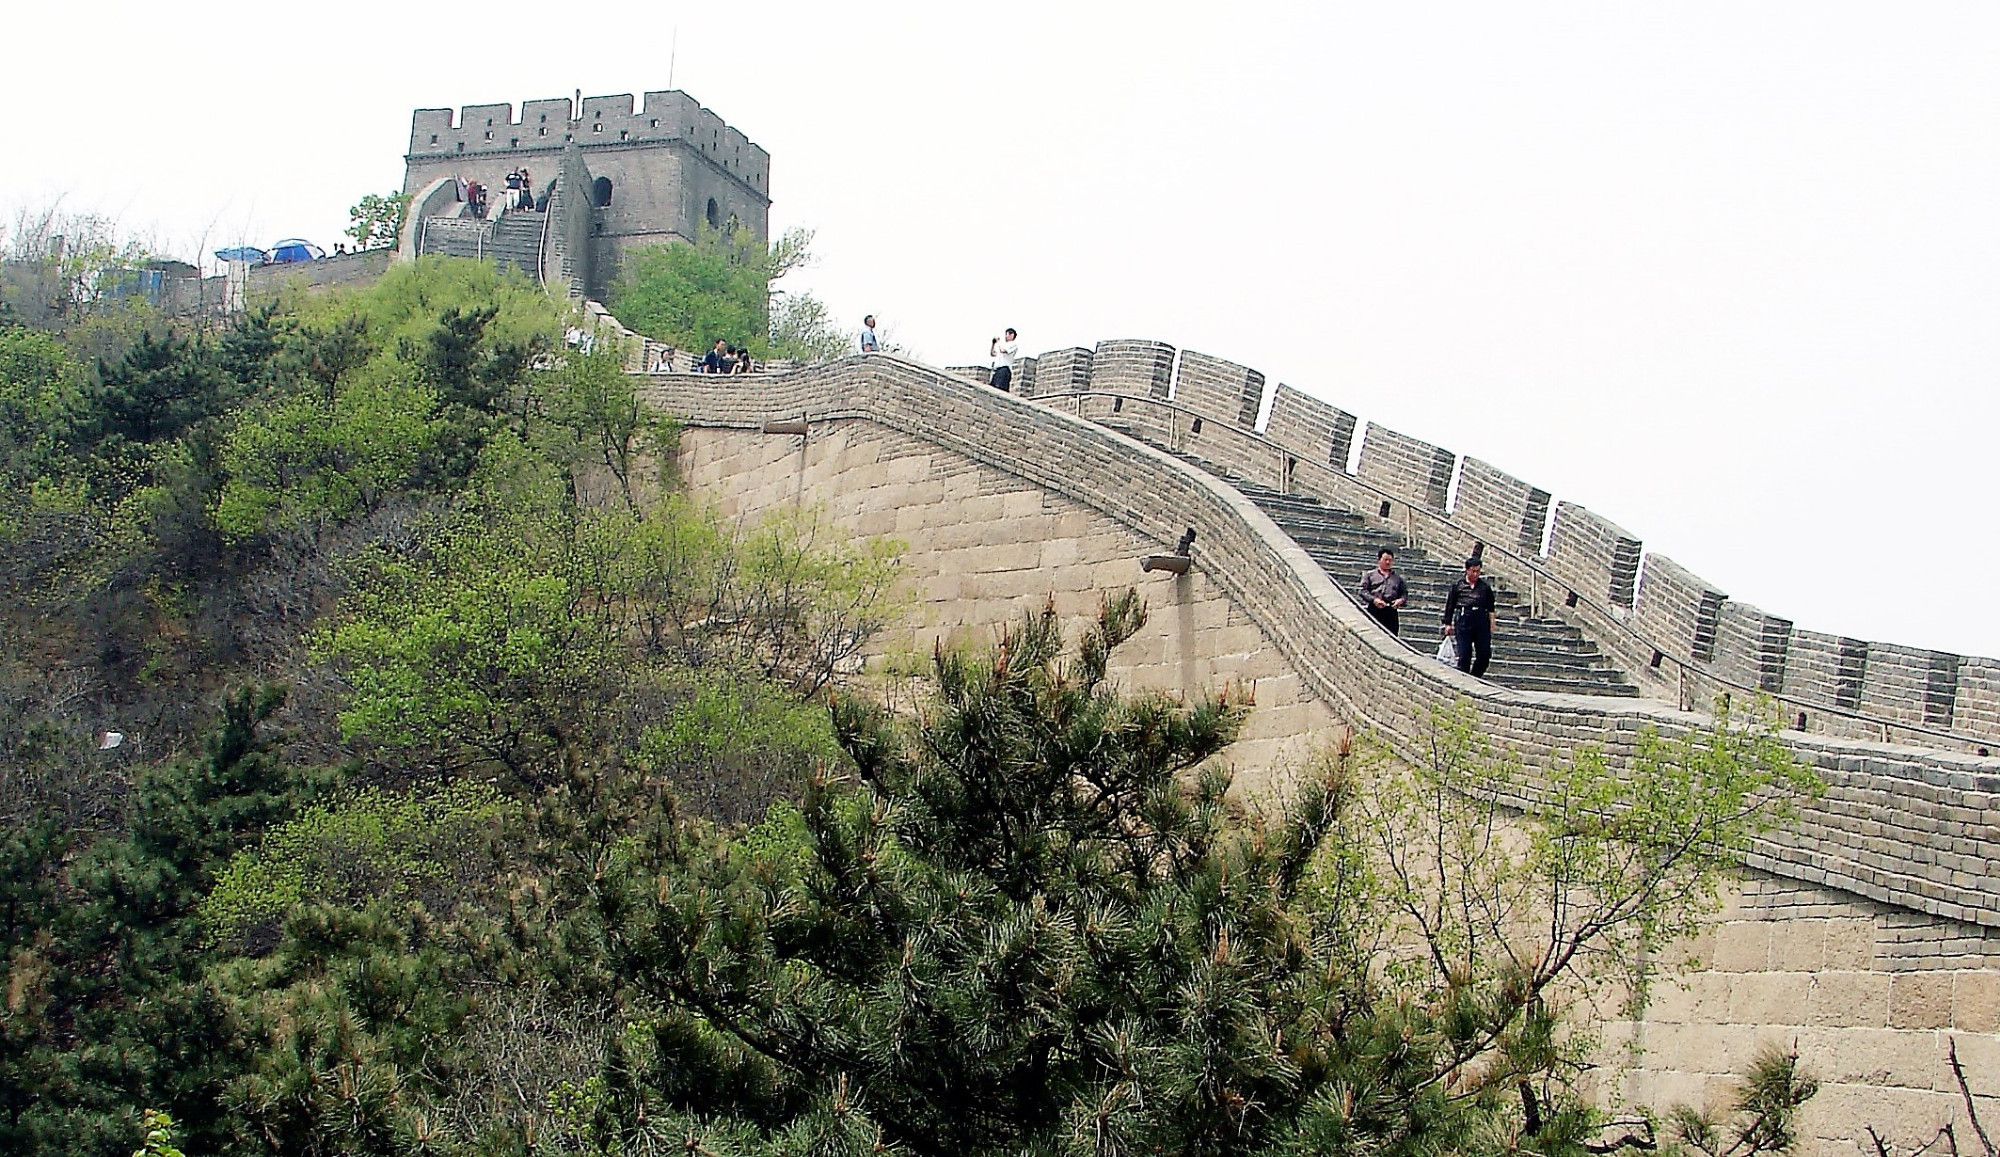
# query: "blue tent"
248, 253
294, 249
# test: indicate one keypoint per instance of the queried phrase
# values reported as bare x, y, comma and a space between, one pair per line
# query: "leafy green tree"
721, 287
425, 845
803, 329
312, 458
378, 220
597, 420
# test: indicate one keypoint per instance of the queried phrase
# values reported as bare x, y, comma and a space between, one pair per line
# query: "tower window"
600, 192
434, 138
714, 214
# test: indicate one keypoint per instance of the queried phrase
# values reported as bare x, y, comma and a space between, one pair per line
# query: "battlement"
660, 119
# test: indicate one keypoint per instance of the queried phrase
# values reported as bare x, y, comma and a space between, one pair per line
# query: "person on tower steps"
1383, 592
1468, 618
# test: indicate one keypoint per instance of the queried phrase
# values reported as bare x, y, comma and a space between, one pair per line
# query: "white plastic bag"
1448, 650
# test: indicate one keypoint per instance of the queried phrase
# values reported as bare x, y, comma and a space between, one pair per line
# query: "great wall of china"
1867, 935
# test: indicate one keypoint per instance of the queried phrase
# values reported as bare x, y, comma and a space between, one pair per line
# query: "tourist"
717, 359
742, 360
1003, 356
1383, 592
868, 343
527, 189
1468, 619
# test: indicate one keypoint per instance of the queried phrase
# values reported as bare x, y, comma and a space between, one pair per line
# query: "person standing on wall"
1003, 352
869, 345
1468, 619
716, 361
1383, 592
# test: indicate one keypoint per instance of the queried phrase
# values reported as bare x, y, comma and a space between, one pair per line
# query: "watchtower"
657, 170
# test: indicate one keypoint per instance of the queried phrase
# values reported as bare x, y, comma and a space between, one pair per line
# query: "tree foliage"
721, 286
1032, 922
377, 220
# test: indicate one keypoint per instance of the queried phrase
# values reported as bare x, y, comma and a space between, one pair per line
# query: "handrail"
542, 246
1682, 668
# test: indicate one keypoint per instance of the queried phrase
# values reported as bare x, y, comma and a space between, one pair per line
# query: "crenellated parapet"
594, 122
1676, 634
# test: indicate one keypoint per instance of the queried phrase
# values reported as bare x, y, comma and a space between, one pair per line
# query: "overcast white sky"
1723, 272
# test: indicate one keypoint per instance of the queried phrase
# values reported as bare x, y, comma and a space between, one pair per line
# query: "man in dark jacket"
1468, 619
1384, 593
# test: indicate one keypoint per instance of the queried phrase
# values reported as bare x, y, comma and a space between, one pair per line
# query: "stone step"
1530, 652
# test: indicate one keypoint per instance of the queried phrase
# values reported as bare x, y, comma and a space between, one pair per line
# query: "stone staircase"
1530, 652
511, 240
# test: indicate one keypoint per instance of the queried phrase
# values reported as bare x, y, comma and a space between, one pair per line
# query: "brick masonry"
1145, 368
1416, 472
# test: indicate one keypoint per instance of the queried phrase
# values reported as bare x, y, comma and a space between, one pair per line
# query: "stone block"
1850, 944
1799, 945
1870, 1056
1742, 946
1920, 1000
1849, 1000
1976, 1001
1769, 998
1841, 1112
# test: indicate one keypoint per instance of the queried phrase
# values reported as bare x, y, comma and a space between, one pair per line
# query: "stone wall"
348, 269
1868, 935
986, 547
1871, 996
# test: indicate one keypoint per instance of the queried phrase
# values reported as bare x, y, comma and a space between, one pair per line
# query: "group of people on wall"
723, 358
1468, 609
519, 194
